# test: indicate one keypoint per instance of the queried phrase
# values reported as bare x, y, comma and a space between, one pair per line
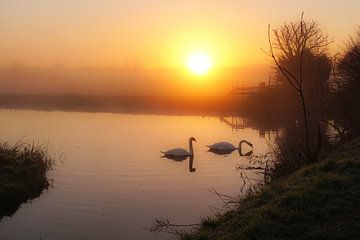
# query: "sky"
154, 33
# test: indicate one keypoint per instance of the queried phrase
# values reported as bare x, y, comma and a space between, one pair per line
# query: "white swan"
180, 152
226, 146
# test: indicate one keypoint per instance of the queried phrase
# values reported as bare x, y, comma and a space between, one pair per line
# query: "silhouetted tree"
348, 83
349, 68
300, 53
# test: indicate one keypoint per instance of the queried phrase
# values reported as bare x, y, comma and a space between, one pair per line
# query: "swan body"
180, 152
222, 146
177, 152
226, 147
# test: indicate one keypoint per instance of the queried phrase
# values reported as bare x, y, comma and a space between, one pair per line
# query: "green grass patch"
23, 169
320, 201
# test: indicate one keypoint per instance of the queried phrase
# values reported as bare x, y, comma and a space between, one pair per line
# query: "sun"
199, 63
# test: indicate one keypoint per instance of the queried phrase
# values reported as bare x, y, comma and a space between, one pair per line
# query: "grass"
320, 201
23, 177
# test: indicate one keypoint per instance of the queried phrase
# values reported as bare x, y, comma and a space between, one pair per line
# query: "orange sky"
155, 33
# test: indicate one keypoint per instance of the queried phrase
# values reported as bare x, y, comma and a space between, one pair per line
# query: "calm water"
111, 182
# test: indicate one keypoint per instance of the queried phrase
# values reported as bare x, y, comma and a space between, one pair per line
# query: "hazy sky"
155, 33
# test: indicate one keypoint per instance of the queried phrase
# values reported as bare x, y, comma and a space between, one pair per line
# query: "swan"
180, 152
226, 147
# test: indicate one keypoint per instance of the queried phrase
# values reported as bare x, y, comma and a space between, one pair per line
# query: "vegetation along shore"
319, 201
23, 175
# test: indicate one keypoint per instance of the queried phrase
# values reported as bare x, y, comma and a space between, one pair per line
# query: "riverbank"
130, 104
23, 177
320, 201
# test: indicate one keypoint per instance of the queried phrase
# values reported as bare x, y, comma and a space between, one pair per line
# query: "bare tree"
295, 45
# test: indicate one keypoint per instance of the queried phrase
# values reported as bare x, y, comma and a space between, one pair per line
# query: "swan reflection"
221, 151
224, 152
191, 161
182, 158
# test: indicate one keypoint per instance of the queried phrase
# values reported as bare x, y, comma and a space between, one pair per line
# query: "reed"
23, 174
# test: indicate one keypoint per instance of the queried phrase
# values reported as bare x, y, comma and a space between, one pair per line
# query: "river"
109, 180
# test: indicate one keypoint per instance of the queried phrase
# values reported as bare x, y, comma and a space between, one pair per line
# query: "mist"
18, 78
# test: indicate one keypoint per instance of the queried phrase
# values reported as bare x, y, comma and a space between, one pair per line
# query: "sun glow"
199, 63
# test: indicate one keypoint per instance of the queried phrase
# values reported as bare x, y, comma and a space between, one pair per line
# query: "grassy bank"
22, 175
320, 201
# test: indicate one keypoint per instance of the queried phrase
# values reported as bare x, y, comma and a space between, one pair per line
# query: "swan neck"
191, 150
244, 141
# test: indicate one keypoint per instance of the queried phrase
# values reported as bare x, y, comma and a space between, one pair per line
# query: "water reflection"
182, 158
191, 161
249, 153
175, 158
224, 152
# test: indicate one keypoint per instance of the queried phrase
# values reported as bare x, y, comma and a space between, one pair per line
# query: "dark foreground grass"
22, 175
320, 201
